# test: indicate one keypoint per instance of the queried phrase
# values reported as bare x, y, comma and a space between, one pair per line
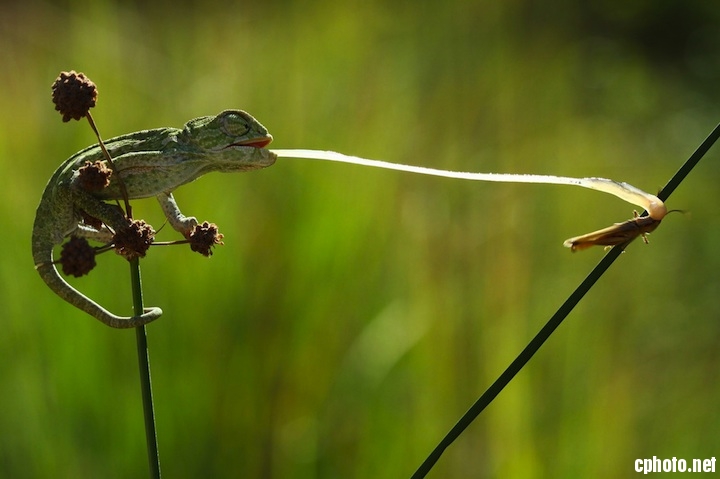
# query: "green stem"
145, 381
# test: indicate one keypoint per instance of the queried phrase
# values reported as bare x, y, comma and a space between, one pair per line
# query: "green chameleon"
150, 163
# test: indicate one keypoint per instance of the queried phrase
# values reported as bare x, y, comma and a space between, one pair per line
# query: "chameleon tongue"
255, 143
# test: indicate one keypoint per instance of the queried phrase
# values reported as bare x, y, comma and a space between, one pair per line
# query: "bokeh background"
354, 314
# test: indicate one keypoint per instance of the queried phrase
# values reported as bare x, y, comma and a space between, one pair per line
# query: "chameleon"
150, 163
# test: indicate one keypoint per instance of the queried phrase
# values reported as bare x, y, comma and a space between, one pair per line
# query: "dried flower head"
73, 94
133, 242
203, 237
77, 257
93, 177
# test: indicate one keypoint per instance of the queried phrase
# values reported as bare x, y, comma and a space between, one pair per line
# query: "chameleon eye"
234, 124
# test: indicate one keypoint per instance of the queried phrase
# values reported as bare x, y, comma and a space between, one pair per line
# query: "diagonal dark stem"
534, 345
685, 169
106, 154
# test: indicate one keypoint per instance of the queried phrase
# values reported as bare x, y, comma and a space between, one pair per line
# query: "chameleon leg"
111, 215
103, 235
180, 223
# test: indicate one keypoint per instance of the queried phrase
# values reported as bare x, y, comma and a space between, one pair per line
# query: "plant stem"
123, 189
145, 381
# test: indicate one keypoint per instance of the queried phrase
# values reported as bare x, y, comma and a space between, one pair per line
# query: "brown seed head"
203, 237
93, 177
73, 94
77, 257
133, 242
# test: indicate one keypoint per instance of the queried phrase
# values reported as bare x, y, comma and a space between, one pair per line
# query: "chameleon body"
150, 163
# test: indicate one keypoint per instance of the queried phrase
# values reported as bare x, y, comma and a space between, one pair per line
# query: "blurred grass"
353, 315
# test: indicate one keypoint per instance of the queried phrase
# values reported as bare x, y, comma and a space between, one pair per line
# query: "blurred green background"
354, 314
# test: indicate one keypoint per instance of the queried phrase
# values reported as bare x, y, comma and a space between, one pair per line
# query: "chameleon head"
228, 133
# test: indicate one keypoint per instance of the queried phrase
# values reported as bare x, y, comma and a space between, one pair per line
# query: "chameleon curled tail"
62, 288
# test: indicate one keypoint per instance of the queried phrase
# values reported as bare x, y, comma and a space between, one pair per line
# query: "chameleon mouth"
254, 143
